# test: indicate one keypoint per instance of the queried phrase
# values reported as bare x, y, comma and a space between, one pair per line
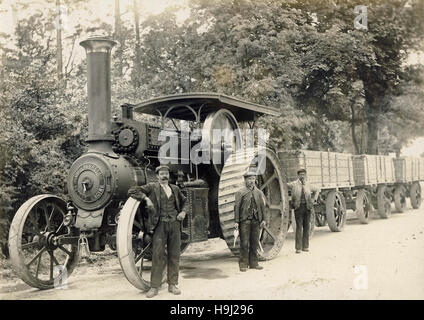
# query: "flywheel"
272, 182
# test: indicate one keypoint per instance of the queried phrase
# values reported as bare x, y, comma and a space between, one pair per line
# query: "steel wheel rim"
338, 210
40, 226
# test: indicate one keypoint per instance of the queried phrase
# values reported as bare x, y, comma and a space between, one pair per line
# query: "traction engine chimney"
98, 50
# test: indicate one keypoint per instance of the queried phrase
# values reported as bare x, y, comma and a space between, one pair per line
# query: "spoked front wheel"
43, 251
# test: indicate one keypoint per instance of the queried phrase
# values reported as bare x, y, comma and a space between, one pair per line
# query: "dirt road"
381, 260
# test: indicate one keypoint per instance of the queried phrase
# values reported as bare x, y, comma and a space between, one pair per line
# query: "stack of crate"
409, 169
373, 169
325, 170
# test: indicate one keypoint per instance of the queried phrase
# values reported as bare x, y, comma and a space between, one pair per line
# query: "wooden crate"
373, 169
325, 170
409, 169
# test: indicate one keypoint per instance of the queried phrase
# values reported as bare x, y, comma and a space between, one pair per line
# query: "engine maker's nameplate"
90, 182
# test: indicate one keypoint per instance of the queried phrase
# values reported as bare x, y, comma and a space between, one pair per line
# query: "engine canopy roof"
196, 106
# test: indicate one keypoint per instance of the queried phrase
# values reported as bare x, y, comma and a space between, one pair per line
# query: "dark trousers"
303, 224
169, 234
249, 243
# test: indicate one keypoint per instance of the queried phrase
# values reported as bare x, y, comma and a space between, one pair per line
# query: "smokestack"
98, 50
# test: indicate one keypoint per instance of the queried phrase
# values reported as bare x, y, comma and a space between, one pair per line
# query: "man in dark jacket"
167, 206
249, 211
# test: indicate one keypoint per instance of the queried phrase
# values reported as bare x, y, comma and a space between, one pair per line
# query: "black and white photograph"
211, 150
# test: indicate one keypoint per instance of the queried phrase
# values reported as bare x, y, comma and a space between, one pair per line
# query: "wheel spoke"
38, 266
137, 224
60, 227
141, 253
54, 258
51, 213
263, 186
61, 247
44, 208
51, 266
36, 256
29, 245
270, 233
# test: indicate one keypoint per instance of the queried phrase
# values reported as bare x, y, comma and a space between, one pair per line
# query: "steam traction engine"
48, 234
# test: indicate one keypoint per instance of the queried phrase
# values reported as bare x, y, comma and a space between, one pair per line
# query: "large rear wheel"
43, 251
272, 183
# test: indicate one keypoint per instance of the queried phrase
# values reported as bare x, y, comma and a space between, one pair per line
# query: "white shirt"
167, 189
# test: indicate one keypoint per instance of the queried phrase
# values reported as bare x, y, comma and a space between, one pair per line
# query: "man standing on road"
303, 204
249, 211
163, 227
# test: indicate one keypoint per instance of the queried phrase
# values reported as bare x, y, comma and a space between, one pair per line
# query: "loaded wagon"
332, 173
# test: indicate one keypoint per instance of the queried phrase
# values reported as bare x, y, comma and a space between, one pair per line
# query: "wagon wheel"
271, 182
320, 219
134, 253
221, 135
383, 202
39, 242
362, 206
335, 211
312, 224
400, 198
415, 195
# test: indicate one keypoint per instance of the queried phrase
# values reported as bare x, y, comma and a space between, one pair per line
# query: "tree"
39, 125
394, 29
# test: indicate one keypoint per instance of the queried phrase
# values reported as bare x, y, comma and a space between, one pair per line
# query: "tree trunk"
352, 129
118, 37
137, 59
59, 41
372, 136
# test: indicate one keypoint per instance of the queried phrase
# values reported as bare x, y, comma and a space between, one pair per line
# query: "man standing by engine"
303, 204
163, 227
249, 211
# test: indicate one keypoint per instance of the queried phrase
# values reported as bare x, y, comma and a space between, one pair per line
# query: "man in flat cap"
303, 204
249, 212
163, 227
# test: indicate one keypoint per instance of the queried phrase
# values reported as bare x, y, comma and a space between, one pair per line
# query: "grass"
6, 271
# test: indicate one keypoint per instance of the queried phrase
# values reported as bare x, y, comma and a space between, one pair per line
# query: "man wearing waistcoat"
302, 203
163, 227
249, 212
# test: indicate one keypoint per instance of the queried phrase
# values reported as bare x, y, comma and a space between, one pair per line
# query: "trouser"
303, 224
249, 243
169, 234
